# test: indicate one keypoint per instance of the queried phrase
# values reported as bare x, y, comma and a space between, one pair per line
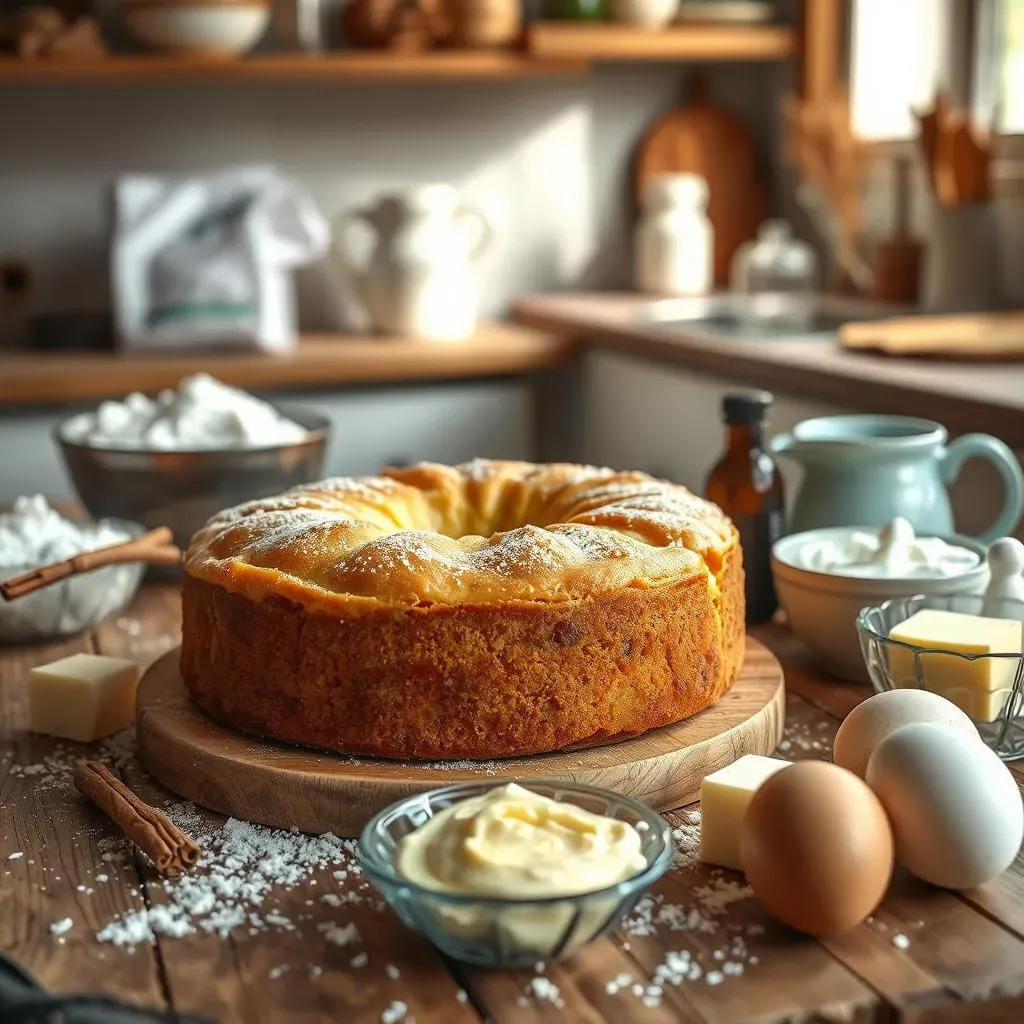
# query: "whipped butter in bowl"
506, 875
825, 577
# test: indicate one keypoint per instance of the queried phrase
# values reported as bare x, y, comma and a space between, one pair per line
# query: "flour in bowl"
34, 534
202, 414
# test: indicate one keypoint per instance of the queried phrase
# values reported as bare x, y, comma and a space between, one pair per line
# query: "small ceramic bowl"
208, 28
512, 933
822, 607
894, 665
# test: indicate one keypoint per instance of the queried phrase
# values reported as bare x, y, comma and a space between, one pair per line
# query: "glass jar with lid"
778, 273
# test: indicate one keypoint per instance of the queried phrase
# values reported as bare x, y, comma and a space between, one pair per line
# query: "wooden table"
925, 956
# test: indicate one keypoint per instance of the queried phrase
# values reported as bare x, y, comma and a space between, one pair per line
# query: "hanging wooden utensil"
705, 139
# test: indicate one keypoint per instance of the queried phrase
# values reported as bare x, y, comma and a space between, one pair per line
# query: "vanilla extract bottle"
747, 486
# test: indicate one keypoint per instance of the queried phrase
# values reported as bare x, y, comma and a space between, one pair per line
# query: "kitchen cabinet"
371, 427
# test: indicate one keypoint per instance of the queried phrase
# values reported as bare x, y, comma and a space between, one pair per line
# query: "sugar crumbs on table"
240, 865
545, 990
901, 941
315, 971
332, 899
16, 856
276, 972
65, 924
620, 981
462, 996
714, 977
359, 960
339, 935
392, 972
395, 1013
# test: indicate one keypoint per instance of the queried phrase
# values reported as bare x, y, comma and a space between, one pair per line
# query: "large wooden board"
278, 784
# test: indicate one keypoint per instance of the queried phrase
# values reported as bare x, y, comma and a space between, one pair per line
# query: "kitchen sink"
761, 317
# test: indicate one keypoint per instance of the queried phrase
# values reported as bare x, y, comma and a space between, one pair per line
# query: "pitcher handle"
486, 230
349, 271
991, 449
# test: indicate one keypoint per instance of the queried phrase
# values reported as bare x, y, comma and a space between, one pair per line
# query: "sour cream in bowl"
823, 579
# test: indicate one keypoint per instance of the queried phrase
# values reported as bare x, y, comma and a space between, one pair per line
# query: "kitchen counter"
963, 396
320, 361
67, 874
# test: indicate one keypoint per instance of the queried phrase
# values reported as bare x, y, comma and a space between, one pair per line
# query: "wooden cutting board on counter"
703, 138
282, 785
955, 336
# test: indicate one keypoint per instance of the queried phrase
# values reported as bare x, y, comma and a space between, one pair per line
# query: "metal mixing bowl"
183, 489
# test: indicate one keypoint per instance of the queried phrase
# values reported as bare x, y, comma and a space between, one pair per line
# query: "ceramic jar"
674, 244
647, 13
419, 281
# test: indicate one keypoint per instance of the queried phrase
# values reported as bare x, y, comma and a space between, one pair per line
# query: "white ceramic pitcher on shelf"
419, 281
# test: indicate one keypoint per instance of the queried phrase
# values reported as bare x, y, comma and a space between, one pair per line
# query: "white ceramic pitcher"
419, 280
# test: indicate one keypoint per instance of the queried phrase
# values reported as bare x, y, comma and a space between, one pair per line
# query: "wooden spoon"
152, 548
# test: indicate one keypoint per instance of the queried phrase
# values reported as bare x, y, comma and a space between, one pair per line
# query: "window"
1011, 84
902, 53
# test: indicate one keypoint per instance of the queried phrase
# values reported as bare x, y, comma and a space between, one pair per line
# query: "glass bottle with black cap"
746, 485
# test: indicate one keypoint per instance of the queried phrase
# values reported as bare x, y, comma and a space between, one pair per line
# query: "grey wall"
548, 159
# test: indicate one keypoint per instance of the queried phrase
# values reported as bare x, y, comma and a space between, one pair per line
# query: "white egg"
955, 809
879, 716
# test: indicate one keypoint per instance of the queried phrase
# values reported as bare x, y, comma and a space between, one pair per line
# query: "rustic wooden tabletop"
72, 891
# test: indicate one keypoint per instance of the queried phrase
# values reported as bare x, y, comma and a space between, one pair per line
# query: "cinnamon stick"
153, 548
170, 849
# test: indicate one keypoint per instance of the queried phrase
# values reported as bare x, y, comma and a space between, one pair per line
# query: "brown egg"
817, 847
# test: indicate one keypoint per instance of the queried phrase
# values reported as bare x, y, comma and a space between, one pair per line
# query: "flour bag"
205, 261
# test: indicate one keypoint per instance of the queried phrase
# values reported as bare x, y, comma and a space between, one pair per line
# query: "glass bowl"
997, 711
492, 932
72, 604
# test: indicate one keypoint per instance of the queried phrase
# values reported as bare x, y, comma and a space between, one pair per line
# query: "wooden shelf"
361, 65
594, 41
320, 361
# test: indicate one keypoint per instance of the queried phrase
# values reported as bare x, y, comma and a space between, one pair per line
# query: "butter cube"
83, 697
980, 688
724, 796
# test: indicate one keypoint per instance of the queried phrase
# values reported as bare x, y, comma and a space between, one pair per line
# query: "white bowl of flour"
33, 534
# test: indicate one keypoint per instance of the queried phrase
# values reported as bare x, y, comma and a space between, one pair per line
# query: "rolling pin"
964, 335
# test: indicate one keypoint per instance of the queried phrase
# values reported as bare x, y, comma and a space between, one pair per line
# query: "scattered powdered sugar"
901, 941
65, 924
543, 990
687, 841
240, 865
395, 1013
339, 935
16, 856
359, 960
392, 972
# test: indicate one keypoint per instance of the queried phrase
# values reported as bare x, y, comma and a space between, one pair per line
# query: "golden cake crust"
479, 611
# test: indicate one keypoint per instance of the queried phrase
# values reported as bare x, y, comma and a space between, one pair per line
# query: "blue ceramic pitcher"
866, 470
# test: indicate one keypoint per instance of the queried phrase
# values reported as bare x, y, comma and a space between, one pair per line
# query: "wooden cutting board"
956, 336
282, 785
702, 138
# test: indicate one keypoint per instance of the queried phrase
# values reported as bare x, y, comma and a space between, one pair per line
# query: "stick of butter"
724, 796
980, 688
83, 697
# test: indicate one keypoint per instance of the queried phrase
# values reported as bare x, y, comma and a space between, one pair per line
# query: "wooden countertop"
320, 361
963, 396
960, 958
